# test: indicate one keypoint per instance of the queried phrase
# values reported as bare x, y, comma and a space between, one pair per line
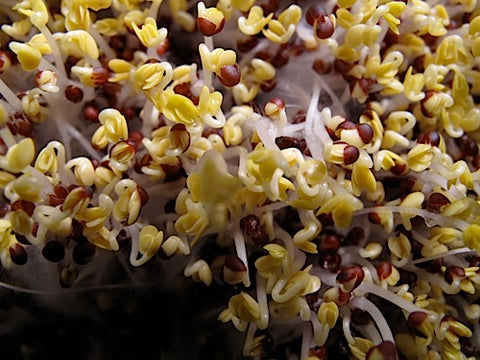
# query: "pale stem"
306, 340
152, 52
77, 135
463, 250
60, 118
290, 247
266, 133
207, 74
125, 266
46, 65
366, 288
108, 189
241, 250
314, 144
346, 325
336, 102
262, 44
247, 347
10, 96
150, 117
133, 232
427, 215
371, 332
262, 302
102, 44
7, 137
367, 305
57, 56
153, 12
320, 331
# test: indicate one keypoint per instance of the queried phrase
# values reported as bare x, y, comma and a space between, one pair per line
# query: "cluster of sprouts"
326, 152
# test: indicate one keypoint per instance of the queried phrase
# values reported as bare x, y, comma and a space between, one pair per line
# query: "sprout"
340, 210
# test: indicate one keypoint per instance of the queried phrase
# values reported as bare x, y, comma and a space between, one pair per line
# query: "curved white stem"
427, 215
262, 302
306, 341
366, 288
10, 96
367, 305
247, 346
207, 74
57, 56
241, 250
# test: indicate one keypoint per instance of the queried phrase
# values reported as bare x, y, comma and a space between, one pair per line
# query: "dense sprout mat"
314, 163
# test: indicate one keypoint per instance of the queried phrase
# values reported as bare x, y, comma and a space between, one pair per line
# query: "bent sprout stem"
102, 44
241, 251
346, 320
367, 288
207, 74
262, 302
367, 305
10, 96
78, 136
435, 218
306, 340
460, 251
312, 117
57, 56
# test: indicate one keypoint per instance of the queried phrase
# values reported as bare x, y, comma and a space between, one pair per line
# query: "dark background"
129, 323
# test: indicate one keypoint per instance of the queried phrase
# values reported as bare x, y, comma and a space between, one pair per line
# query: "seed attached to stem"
18, 254
350, 277
74, 94
229, 75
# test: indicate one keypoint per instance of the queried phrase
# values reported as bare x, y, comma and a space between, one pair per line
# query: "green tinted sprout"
175, 245
255, 21
312, 227
471, 237
265, 169
328, 314
83, 170
77, 16
199, 271
80, 43
35, 10
342, 207
18, 156
280, 31
76, 201
18, 28
290, 309
400, 249
148, 34
180, 109
130, 200
7, 239
28, 56
110, 26
114, 125
242, 309
26, 187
